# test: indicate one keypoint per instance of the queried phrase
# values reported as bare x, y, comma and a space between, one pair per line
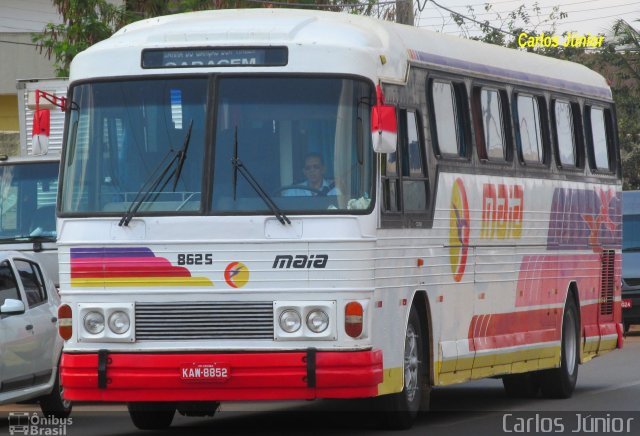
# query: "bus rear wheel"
151, 416
561, 382
399, 411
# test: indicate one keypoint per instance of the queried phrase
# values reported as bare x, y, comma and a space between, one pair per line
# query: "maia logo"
300, 261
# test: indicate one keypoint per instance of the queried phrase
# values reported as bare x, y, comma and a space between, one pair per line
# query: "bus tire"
399, 411
524, 385
561, 382
54, 404
151, 416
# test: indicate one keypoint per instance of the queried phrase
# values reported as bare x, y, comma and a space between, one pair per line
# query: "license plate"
626, 303
205, 372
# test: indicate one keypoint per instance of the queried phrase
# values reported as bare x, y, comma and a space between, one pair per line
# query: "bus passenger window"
529, 129
565, 136
414, 187
598, 139
446, 135
489, 110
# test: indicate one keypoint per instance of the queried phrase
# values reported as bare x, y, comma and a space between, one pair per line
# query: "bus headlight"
303, 320
106, 322
317, 321
94, 322
119, 322
290, 321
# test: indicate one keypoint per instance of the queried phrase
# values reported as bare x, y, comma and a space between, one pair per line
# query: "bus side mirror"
384, 125
41, 131
384, 128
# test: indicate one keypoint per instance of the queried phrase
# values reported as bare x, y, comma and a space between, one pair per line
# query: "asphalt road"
606, 401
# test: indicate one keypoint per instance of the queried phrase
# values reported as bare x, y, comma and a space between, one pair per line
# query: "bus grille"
607, 282
204, 320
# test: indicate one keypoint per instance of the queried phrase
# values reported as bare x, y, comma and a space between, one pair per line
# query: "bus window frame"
478, 125
577, 129
612, 156
463, 121
543, 113
403, 218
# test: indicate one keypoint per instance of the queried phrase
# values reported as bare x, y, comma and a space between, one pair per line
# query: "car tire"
54, 404
151, 416
399, 411
561, 382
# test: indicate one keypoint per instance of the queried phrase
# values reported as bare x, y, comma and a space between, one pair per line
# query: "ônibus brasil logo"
458, 230
236, 274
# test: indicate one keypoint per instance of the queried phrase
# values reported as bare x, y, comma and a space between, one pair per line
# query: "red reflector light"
353, 317
64, 322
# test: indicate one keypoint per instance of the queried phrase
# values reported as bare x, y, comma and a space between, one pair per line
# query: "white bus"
282, 204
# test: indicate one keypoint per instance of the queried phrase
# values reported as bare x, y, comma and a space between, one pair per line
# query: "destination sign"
214, 57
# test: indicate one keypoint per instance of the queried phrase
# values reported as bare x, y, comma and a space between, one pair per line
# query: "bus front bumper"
310, 374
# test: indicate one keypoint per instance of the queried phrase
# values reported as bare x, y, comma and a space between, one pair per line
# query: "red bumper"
257, 376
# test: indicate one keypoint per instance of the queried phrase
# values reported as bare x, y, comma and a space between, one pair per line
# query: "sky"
586, 16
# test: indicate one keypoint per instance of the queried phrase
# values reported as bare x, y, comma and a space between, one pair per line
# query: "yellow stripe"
143, 281
392, 382
496, 364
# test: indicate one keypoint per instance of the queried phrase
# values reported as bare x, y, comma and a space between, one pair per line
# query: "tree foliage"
618, 60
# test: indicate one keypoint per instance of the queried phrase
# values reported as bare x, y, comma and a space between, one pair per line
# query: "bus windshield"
28, 201
295, 144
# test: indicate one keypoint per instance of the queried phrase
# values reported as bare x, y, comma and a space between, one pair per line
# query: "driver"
313, 171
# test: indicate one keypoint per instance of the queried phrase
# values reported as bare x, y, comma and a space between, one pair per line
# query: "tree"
86, 22
618, 60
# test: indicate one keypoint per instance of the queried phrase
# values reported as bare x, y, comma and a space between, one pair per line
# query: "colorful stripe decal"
126, 267
585, 219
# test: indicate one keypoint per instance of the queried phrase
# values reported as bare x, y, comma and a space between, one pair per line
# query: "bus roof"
355, 44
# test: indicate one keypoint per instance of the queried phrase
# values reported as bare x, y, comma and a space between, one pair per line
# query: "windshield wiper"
151, 185
238, 166
182, 156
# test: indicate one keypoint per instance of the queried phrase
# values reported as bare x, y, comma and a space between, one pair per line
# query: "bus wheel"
151, 416
524, 385
400, 410
560, 382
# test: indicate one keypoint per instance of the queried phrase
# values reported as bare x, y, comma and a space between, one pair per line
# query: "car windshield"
631, 233
28, 201
295, 144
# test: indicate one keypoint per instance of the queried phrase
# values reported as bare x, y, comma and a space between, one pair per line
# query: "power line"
474, 21
635, 3
17, 43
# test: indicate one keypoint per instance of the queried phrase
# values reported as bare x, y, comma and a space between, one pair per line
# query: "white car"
30, 346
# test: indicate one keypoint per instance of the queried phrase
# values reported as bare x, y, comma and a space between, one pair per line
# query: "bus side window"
404, 177
447, 118
599, 138
565, 133
491, 124
529, 132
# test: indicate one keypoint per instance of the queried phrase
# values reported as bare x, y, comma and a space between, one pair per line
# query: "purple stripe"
517, 75
84, 253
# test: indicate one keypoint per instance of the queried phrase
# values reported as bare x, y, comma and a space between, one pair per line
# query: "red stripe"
126, 267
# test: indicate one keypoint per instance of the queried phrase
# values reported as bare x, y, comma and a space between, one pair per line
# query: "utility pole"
404, 12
